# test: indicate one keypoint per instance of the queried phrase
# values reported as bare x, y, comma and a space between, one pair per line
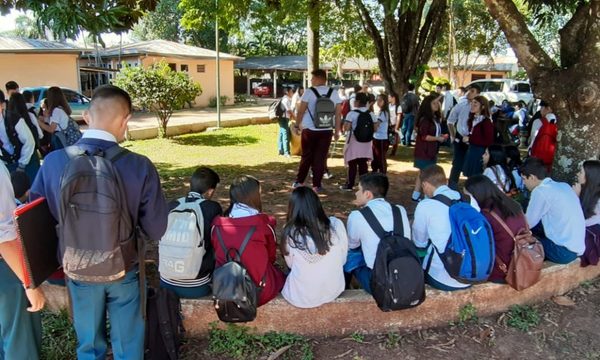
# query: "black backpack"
234, 291
164, 325
397, 280
364, 127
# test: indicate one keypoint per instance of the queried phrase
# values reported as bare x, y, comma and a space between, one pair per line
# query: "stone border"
355, 310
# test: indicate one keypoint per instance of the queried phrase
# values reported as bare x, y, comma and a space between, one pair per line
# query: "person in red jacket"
481, 136
545, 134
244, 212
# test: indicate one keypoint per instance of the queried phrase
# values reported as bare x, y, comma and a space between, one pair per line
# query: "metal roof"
300, 63
10, 44
165, 48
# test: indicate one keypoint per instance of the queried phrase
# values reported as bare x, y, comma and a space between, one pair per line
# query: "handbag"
70, 135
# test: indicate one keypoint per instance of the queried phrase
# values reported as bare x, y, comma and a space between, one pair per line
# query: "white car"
499, 90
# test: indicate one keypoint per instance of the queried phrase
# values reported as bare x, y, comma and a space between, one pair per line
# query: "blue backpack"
470, 253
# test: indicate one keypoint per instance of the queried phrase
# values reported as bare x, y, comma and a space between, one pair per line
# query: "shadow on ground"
215, 139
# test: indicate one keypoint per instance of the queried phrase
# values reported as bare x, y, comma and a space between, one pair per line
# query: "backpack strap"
376, 225
315, 91
329, 92
238, 252
444, 200
114, 153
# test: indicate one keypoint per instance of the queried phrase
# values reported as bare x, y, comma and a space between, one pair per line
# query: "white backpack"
181, 249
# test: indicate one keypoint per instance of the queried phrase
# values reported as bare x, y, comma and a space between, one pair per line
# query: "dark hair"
514, 157
378, 184
357, 88
245, 189
485, 107
204, 179
433, 174
11, 85
425, 113
320, 73
395, 96
590, 191
534, 166
55, 99
17, 109
362, 99
474, 86
462, 89
106, 92
306, 218
447, 86
20, 183
498, 157
28, 95
411, 86
2, 97
370, 101
385, 108
489, 197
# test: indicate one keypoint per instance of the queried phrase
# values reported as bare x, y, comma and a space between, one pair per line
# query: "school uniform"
363, 242
393, 135
283, 138
426, 151
18, 148
315, 142
431, 231
381, 143
260, 253
459, 117
499, 177
90, 301
316, 279
356, 153
61, 119
555, 216
481, 136
20, 330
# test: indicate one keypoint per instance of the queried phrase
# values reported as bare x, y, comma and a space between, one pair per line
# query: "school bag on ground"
324, 116
397, 280
525, 268
182, 249
592, 246
164, 325
276, 110
234, 292
70, 135
470, 252
98, 237
364, 127
544, 144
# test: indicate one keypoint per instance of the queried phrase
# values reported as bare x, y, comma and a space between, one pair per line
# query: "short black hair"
204, 179
111, 92
320, 73
11, 85
28, 95
411, 86
362, 99
378, 184
20, 183
462, 88
534, 166
357, 88
474, 86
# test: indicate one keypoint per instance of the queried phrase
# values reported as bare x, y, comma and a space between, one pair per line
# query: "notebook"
36, 229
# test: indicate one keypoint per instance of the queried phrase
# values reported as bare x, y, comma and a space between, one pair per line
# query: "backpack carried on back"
98, 239
181, 249
324, 116
276, 110
397, 280
364, 127
164, 325
234, 292
525, 268
544, 144
470, 252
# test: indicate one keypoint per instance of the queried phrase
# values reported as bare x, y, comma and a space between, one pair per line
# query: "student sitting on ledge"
554, 214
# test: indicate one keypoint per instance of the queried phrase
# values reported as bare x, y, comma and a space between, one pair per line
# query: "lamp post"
218, 64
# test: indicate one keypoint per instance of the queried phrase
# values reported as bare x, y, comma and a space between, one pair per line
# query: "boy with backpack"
435, 231
105, 199
186, 267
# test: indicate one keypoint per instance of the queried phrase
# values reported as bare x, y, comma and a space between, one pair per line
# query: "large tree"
571, 84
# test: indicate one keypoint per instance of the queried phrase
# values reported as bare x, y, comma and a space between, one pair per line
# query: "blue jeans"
121, 299
21, 330
283, 139
355, 265
408, 125
188, 292
556, 253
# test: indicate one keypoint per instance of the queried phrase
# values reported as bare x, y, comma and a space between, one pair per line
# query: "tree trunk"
312, 31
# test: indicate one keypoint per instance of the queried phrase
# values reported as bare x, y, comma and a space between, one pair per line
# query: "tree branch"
571, 43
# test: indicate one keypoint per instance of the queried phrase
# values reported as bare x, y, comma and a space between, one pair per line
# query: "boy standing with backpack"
283, 139
198, 208
101, 216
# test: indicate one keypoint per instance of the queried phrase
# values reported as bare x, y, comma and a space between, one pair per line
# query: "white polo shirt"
557, 206
7, 206
311, 100
459, 116
360, 232
382, 130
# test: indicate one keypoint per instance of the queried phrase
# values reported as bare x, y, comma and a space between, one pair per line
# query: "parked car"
264, 89
499, 90
77, 101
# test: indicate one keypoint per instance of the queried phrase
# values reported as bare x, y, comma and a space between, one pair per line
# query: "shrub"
212, 102
523, 317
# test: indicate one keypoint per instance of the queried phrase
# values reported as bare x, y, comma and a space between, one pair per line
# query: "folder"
36, 229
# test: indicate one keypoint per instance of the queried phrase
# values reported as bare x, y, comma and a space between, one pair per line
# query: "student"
410, 107
372, 190
245, 212
298, 93
283, 139
513, 156
20, 319
56, 115
431, 227
480, 136
588, 190
395, 122
356, 154
496, 168
315, 142
554, 214
448, 103
495, 204
545, 135
429, 137
357, 89
21, 184
29, 104
203, 185
315, 248
17, 143
107, 117
11, 88
381, 141
17, 114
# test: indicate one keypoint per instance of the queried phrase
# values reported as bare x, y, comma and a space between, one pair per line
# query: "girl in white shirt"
57, 114
315, 249
496, 168
380, 137
588, 190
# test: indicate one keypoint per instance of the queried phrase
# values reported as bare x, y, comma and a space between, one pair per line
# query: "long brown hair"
245, 190
425, 113
56, 98
485, 105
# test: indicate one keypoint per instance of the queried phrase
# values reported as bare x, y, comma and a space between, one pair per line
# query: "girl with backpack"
243, 215
481, 136
57, 115
25, 142
381, 142
588, 190
496, 168
429, 137
315, 248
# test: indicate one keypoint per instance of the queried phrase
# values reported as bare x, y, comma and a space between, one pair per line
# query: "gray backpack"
324, 117
97, 237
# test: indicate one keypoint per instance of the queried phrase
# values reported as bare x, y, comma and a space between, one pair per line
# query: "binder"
36, 230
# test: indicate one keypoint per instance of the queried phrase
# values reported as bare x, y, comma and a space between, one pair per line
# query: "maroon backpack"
592, 246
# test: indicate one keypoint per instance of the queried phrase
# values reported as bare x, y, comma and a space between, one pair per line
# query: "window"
72, 96
184, 67
493, 86
477, 77
523, 87
201, 68
497, 76
173, 66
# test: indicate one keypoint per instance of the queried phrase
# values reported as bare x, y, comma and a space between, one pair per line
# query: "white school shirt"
432, 222
594, 219
393, 114
503, 179
317, 279
557, 206
459, 116
34, 121
7, 206
311, 100
286, 104
60, 118
352, 116
25, 137
382, 131
361, 234
448, 103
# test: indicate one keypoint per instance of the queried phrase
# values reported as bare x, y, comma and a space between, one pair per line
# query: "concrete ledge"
355, 310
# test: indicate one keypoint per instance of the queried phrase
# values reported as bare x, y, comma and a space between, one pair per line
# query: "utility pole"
218, 64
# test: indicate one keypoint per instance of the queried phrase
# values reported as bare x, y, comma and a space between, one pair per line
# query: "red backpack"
544, 145
345, 108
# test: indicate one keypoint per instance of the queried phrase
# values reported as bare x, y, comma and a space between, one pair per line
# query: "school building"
483, 67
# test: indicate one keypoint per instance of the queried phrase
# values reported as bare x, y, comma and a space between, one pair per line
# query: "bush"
240, 98
212, 102
523, 317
